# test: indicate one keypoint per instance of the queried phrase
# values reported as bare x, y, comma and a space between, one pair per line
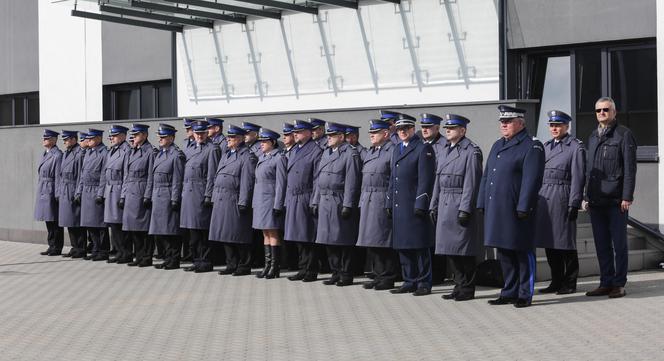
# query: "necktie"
402, 148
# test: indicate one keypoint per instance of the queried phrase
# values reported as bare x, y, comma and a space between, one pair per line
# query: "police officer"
352, 138
611, 180
268, 200
68, 212
288, 139
90, 192
336, 194
411, 185
112, 177
508, 197
188, 144
458, 174
215, 132
199, 173
391, 116
300, 224
375, 230
231, 213
46, 205
83, 143
167, 175
136, 196
318, 132
251, 138
188, 135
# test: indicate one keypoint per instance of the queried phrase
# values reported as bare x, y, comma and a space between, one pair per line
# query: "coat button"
498, 155
494, 169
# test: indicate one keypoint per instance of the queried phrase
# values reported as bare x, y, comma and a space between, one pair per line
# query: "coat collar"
296, 154
412, 144
517, 139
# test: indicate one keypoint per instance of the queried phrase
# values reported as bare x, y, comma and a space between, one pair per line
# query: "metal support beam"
153, 16
254, 63
191, 12
328, 56
125, 21
393, 1
367, 50
411, 47
222, 70
457, 43
289, 55
283, 5
231, 8
340, 3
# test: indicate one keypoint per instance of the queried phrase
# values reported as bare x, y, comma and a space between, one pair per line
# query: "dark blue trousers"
610, 233
519, 273
416, 267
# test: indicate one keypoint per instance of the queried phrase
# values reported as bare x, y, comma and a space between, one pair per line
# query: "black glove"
57, 199
389, 213
242, 209
433, 214
521, 215
480, 211
463, 218
314, 211
572, 214
420, 213
207, 202
277, 212
345, 212
77, 200
99, 200
121, 203
175, 205
147, 203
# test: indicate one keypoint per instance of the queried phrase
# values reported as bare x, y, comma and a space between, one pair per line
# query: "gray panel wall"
534, 23
21, 146
133, 54
19, 44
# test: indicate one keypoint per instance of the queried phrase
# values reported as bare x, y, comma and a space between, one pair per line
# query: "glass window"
19, 110
588, 68
165, 100
33, 110
6, 117
126, 104
148, 102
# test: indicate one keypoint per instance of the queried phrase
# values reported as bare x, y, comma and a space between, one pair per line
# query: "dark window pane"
127, 104
33, 110
6, 111
588, 79
147, 101
19, 111
107, 104
165, 101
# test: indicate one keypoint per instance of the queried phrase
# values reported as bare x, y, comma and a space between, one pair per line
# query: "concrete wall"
133, 54
535, 23
19, 41
660, 97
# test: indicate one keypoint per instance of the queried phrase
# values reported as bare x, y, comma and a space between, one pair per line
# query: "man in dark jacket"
609, 194
409, 194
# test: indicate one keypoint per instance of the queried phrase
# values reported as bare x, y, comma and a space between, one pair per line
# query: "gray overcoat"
69, 214
458, 175
299, 224
137, 184
562, 187
375, 226
112, 180
90, 186
167, 174
233, 186
199, 173
46, 206
269, 190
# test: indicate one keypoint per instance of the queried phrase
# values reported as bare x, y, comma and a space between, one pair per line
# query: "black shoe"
267, 250
462, 297
242, 272
331, 281
343, 283
422, 291
275, 263
204, 269
88, 258
55, 253
99, 258
502, 301
369, 285
312, 277
383, 286
450, 296
133, 264
67, 255
190, 268
227, 271
551, 289
296, 277
160, 265
187, 259
145, 263
45, 253
403, 289
112, 260
77, 255
521, 303
124, 260
371, 275
173, 265
566, 291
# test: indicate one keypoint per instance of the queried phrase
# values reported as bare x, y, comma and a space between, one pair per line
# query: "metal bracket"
263, 89
224, 60
471, 72
462, 36
332, 52
400, 8
413, 77
339, 83
320, 18
245, 27
404, 43
228, 90
258, 59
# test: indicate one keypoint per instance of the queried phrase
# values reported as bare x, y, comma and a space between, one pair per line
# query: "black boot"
275, 266
268, 259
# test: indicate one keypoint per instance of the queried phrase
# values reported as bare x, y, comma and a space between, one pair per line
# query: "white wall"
70, 64
216, 76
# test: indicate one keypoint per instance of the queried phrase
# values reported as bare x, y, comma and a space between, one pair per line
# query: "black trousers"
55, 236
160, 244
385, 264
238, 256
77, 239
416, 267
340, 259
308, 258
464, 275
438, 267
200, 249
143, 246
172, 246
564, 265
186, 249
101, 243
121, 242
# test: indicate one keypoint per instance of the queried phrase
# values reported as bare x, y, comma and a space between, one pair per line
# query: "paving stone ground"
53, 308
